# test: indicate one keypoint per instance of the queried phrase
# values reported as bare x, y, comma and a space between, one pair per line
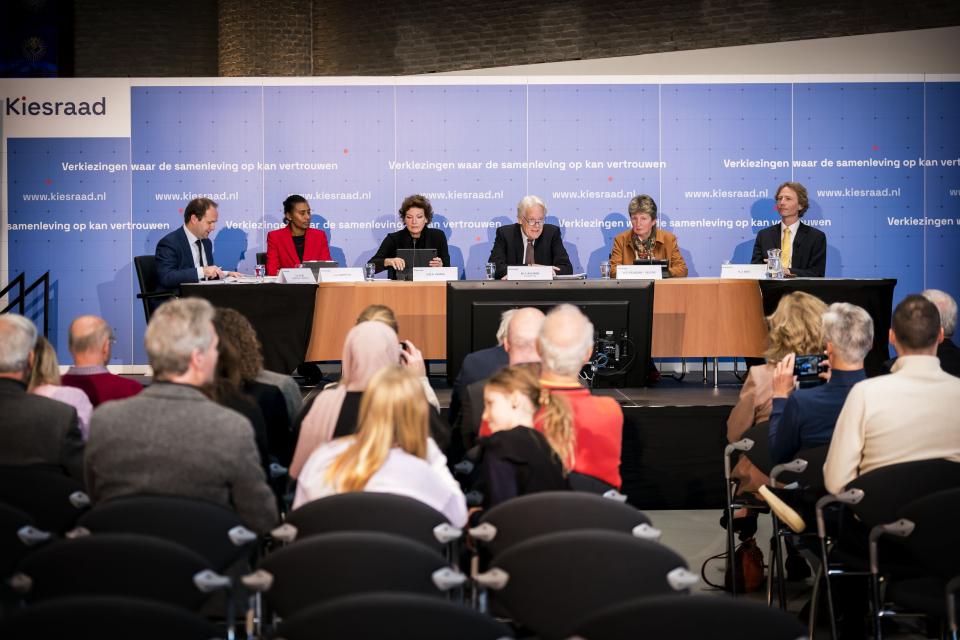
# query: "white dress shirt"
911, 414
428, 481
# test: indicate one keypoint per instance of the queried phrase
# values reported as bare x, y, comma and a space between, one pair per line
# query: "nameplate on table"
639, 272
532, 272
341, 274
743, 271
435, 274
297, 276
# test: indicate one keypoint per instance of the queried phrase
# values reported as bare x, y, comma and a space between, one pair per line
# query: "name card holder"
534, 272
743, 271
435, 274
639, 272
341, 274
300, 275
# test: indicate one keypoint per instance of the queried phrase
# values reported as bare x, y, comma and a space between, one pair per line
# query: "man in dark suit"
530, 241
171, 438
186, 255
34, 430
947, 351
479, 365
803, 248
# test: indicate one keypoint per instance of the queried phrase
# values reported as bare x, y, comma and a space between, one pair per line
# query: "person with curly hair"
416, 213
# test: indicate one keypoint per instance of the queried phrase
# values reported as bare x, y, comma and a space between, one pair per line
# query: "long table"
692, 317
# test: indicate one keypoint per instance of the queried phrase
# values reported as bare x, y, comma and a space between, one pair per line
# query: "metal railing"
20, 301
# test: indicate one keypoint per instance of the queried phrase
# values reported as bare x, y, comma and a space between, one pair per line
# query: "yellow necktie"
785, 248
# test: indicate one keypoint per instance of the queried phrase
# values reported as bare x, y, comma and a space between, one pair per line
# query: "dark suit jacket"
174, 259
809, 257
509, 247
38, 430
478, 365
949, 354
282, 254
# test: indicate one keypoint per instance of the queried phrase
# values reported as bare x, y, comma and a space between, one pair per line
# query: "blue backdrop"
881, 161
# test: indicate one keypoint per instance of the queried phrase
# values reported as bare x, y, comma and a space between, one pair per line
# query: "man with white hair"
530, 241
171, 439
479, 365
34, 430
90, 341
948, 352
565, 345
805, 418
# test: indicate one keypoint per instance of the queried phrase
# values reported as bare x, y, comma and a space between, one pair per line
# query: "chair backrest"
369, 511
201, 526
391, 615
12, 546
537, 514
115, 564
53, 499
889, 488
556, 580
933, 541
106, 618
332, 565
261, 257
691, 618
149, 282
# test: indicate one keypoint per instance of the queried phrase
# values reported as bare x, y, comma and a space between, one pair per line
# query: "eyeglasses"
533, 223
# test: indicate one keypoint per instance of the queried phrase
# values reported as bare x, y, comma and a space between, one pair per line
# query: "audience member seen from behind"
90, 342
516, 459
171, 439
379, 313
565, 345
234, 328
297, 242
645, 240
390, 453
33, 430
416, 214
45, 381
908, 415
796, 326
479, 365
805, 418
948, 352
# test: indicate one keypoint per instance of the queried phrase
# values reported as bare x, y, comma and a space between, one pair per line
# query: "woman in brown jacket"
645, 241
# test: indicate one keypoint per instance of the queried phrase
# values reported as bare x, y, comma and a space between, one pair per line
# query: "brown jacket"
664, 248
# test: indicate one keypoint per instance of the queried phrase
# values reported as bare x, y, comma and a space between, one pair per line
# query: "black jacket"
509, 247
809, 257
429, 239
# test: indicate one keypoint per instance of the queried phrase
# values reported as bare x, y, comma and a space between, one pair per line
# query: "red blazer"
281, 254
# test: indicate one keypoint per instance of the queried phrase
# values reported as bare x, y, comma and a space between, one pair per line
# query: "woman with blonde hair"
390, 453
45, 381
527, 451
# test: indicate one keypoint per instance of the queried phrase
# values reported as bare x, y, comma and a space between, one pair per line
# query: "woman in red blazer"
296, 242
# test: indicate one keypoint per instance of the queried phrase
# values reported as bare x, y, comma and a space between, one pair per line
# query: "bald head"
89, 341
522, 334
566, 342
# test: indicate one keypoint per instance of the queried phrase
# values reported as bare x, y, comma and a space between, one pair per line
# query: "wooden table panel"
420, 307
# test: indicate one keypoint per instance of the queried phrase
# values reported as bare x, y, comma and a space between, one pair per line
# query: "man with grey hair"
34, 430
90, 341
565, 345
805, 418
479, 365
530, 241
948, 352
171, 439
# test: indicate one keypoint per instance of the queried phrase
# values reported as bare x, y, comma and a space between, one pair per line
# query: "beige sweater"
911, 414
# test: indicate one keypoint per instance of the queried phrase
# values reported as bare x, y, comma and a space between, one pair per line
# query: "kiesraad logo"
23, 107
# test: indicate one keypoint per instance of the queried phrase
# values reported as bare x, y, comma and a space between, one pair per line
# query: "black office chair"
552, 582
690, 618
518, 519
213, 531
18, 535
262, 257
332, 565
370, 511
106, 618
391, 616
53, 499
150, 292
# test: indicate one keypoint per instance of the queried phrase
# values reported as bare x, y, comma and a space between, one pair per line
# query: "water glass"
259, 271
491, 271
605, 269
369, 270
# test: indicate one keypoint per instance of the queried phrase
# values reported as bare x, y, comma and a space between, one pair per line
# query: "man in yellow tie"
803, 249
